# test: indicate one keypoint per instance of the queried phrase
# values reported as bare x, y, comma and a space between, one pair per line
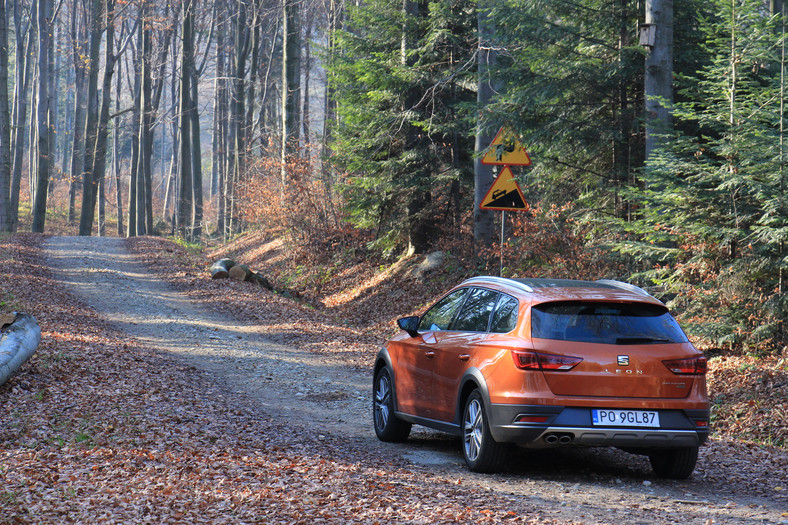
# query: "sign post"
505, 194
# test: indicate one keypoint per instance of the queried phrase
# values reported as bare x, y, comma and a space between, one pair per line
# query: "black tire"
481, 452
388, 427
674, 463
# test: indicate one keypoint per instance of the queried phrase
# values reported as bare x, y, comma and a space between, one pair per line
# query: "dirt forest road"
322, 396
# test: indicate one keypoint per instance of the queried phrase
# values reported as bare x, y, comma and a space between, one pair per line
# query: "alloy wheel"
382, 401
472, 430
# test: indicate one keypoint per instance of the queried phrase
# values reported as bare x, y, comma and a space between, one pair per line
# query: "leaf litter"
96, 428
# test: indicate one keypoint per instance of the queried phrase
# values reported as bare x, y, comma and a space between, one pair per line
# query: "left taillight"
693, 366
525, 360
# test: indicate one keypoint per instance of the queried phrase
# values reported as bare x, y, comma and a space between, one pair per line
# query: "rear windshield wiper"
640, 340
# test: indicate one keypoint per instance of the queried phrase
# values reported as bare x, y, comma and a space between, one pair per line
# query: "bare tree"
44, 115
145, 140
291, 83
6, 217
185, 194
96, 149
24, 72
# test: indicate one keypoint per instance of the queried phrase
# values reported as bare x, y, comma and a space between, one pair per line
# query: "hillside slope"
361, 297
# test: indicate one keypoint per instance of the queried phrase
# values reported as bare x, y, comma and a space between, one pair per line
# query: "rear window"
608, 323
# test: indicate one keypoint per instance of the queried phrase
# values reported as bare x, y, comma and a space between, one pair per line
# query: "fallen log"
262, 281
7, 319
240, 272
224, 268
17, 344
221, 268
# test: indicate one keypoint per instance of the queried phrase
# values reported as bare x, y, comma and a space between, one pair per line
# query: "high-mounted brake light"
525, 360
695, 366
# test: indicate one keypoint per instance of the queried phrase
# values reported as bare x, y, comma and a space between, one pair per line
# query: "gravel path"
288, 384
733, 483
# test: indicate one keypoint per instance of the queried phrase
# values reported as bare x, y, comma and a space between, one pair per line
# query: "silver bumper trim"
634, 437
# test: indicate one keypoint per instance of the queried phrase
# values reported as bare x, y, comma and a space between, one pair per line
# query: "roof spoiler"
624, 286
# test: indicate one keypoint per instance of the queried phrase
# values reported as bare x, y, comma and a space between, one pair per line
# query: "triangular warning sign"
504, 194
506, 150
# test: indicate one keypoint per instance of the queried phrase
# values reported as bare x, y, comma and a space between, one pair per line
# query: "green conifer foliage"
573, 90
713, 214
401, 137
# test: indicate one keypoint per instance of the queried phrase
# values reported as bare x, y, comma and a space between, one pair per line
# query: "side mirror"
410, 325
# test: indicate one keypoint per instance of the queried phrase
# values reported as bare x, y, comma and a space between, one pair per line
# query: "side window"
505, 316
475, 313
439, 316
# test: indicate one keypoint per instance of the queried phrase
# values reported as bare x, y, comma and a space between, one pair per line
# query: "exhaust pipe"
551, 439
565, 439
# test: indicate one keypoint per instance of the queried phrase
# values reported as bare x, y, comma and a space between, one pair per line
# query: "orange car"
546, 363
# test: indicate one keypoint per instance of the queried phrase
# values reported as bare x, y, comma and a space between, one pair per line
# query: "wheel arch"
383, 360
471, 380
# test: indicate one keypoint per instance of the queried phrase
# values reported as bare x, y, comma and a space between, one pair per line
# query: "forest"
656, 132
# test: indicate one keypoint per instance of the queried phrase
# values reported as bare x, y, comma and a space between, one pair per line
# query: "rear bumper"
573, 426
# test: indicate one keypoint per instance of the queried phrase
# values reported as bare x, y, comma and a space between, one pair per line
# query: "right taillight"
525, 360
695, 366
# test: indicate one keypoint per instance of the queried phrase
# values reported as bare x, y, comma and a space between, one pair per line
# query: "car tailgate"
619, 370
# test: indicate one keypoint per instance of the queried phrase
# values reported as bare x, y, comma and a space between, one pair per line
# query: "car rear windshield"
608, 323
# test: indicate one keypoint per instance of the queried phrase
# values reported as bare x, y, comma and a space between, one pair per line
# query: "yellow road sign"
506, 150
504, 194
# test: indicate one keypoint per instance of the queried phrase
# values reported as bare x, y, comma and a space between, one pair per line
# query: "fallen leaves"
96, 428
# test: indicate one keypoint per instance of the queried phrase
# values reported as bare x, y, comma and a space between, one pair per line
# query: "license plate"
626, 418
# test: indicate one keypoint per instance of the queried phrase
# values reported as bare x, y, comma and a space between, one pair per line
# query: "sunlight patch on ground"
346, 296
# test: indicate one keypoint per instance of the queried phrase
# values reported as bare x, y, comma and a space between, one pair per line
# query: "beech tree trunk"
185, 193
43, 123
196, 150
116, 156
99, 157
6, 217
291, 84
24, 66
89, 185
144, 143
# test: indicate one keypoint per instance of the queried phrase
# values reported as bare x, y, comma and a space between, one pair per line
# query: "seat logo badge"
623, 360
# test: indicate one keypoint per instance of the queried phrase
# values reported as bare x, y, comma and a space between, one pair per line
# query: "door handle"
430, 355
464, 357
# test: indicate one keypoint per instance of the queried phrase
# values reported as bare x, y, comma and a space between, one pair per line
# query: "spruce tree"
713, 215
573, 90
402, 101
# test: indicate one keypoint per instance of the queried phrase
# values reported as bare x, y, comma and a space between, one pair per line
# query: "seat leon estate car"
544, 363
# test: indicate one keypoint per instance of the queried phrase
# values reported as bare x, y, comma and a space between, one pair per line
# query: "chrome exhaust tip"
551, 439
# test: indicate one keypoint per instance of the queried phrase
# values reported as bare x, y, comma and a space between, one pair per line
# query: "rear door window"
505, 316
440, 316
608, 323
475, 313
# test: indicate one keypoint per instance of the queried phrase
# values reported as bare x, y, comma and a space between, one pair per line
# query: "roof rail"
499, 280
624, 286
